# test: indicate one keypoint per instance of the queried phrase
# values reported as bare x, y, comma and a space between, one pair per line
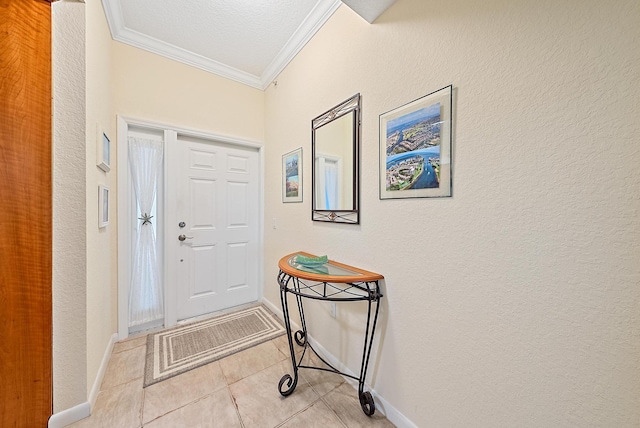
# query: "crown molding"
113, 12
307, 29
167, 50
121, 33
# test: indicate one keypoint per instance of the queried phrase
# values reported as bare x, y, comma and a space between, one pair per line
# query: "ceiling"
249, 41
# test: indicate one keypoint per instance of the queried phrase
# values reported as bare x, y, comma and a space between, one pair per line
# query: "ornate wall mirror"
335, 170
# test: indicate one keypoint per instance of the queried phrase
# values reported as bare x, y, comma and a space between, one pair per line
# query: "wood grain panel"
25, 213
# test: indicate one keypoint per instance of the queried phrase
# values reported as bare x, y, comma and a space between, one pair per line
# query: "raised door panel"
203, 262
202, 203
237, 204
237, 265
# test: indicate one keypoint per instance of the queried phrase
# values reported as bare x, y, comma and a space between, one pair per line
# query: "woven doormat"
180, 349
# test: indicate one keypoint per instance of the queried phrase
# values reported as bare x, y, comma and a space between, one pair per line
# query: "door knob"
183, 237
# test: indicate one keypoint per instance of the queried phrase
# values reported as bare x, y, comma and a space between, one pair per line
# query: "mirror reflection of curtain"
330, 186
328, 179
145, 290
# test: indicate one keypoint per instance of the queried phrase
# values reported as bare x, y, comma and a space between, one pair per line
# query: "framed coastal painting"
292, 176
415, 148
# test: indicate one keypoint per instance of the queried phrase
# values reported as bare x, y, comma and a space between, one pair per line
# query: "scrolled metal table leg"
291, 384
300, 337
367, 403
366, 400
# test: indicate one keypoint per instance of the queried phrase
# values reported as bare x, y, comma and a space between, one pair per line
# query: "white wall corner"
309, 27
115, 19
95, 389
370, 10
69, 288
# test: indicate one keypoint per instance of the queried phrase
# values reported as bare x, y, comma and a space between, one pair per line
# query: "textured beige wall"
101, 243
515, 302
83, 286
69, 206
151, 87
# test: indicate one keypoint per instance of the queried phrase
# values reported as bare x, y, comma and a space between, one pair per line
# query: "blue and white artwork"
292, 176
413, 150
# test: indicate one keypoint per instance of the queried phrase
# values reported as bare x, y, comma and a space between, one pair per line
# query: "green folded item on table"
311, 261
319, 269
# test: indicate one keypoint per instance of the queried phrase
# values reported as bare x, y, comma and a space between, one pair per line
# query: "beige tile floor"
240, 390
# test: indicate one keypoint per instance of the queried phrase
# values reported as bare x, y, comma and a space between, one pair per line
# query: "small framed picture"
415, 148
103, 150
292, 176
103, 206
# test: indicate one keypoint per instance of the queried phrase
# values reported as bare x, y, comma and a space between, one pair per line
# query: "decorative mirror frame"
338, 216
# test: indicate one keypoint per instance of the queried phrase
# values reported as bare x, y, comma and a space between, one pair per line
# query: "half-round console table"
335, 282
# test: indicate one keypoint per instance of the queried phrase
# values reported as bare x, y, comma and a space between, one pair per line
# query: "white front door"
213, 225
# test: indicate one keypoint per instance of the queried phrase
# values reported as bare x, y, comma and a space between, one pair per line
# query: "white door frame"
125, 211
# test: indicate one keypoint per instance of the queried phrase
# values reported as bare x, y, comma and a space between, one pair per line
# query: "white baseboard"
392, 414
382, 405
273, 308
95, 389
276, 310
69, 416
83, 410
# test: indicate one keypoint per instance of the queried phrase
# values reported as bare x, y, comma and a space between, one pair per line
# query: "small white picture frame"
103, 150
103, 206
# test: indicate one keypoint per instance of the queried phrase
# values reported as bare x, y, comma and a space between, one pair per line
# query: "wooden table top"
358, 275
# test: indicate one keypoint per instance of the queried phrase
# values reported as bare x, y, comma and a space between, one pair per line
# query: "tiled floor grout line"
284, 361
320, 399
180, 407
298, 412
142, 407
235, 405
142, 423
331, 408
327, 404
119, 384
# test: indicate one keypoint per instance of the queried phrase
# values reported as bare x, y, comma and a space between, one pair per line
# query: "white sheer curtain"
145, 290
331, 187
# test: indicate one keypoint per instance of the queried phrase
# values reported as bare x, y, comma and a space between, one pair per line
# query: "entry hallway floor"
240, 390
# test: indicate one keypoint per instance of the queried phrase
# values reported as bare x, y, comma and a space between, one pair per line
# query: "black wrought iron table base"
368, 291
